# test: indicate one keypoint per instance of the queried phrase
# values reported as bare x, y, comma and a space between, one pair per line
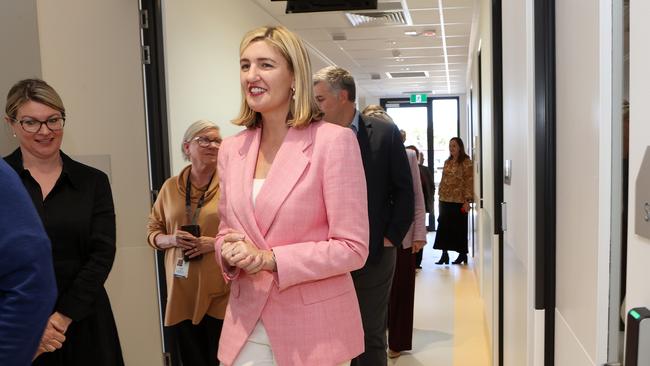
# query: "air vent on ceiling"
375, 76
407, 74
389, 13
417, 92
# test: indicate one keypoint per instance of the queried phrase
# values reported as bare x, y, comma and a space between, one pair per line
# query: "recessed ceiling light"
429, 33
410, 33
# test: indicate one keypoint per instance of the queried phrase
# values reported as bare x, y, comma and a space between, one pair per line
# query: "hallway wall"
519, 148
90, 51
638, 255
202, 63
485, 256
583, 181
24, 60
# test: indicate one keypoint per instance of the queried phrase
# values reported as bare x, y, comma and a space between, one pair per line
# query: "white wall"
91, 55
518, 147
583, 181
202, 63
638, 254
463, 117
21, 59
486, 256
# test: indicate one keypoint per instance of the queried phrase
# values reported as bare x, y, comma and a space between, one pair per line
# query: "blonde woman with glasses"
75, 204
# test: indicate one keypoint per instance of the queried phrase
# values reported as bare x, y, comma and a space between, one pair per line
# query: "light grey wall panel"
20, 55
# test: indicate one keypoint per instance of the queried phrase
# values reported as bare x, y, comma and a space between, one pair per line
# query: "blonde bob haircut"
35, 90
303, 108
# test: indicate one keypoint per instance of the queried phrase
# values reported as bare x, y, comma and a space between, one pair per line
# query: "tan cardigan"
204, 291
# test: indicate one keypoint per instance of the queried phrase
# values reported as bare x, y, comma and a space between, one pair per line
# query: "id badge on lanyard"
182, 268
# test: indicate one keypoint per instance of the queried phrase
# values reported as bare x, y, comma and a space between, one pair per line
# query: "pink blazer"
417, 231
312, 211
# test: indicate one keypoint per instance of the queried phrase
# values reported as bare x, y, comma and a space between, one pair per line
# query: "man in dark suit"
390, 203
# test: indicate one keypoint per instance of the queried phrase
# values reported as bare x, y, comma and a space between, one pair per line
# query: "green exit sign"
418, 98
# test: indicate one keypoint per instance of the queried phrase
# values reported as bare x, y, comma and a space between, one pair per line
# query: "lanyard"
188, 194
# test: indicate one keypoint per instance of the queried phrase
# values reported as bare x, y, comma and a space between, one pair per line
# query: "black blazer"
79, 219
390, 185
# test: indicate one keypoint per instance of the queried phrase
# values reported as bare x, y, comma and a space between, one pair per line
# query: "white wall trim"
560, 319
604, 179
495, 299
536, 355
535, 323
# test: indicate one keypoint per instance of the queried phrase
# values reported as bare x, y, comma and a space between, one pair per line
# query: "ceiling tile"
369, 49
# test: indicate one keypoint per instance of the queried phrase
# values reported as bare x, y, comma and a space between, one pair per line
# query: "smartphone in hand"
195, 230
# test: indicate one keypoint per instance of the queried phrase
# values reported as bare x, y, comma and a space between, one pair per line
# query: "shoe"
444, 259
393, 354
462, 258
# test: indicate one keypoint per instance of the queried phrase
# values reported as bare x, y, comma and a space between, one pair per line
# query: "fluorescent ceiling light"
444, 43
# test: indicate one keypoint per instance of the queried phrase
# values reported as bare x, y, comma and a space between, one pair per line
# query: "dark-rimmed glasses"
206, 142
33, 125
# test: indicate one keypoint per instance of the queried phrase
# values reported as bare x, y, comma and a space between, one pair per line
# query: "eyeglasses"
206, 142
34, 125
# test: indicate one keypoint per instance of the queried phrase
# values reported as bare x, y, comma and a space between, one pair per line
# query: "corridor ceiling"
403, 47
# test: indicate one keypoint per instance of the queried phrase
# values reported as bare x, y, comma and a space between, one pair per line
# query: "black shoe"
462, 258
444, 259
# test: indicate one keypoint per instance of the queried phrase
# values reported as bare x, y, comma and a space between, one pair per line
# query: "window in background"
445, 126
413, 120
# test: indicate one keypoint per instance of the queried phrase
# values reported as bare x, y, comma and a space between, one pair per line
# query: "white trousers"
257, 350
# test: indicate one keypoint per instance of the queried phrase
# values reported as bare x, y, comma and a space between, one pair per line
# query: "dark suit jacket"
428, 188
390, 186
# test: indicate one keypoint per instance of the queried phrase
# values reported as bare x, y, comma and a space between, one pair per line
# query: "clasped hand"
238, 251
54, 334
191, 245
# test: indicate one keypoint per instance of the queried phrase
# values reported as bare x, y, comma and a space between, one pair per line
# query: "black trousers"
372, 284
197, 345
402, 302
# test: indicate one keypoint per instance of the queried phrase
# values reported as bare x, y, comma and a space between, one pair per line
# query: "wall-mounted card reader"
637, 339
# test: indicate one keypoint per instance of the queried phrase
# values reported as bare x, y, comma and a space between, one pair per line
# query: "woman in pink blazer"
293, 217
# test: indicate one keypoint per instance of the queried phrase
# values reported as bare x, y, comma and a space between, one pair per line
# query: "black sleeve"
402, 196
78, 301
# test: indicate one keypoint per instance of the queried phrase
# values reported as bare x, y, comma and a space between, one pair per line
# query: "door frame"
405, 103
497, 139
545, 171
155, 95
